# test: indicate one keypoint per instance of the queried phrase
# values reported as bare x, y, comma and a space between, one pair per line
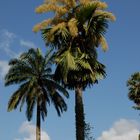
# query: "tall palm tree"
134, 89
77, 73
75, 31
32, 72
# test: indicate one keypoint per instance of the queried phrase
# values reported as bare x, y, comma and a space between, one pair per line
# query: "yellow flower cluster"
50, 7
85, 2
59, 26
101, 5
53, 1
46, 1
72, 25
57, 20
42, 25
61, 10
45, 8
104, 44
110, 16
107, 15
70, 3
61, 7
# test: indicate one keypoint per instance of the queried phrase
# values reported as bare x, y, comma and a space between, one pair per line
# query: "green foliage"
88, 131
76, 56
84, 71
32, 72
134, 89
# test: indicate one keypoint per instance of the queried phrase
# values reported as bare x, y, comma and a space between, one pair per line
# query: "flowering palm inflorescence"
70, 15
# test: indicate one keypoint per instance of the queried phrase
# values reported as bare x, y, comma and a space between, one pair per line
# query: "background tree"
88, 131
75, 31
133, 85
32, 72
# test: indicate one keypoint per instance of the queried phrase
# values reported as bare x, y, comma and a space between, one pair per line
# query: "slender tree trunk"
38, 123
79, 114
139, 137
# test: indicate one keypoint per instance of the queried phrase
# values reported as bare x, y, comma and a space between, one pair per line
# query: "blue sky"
107, 107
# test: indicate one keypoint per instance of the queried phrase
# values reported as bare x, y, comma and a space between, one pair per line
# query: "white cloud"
8, 49
121, 130
7, 43
29, 130
4, 67
9, 34
6, 39
27, 44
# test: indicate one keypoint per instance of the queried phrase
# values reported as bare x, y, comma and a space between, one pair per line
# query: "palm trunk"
79, 114
38, 123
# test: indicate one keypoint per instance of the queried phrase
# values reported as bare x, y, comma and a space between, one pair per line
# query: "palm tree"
86, 70
75, 31
134, 89
32, 72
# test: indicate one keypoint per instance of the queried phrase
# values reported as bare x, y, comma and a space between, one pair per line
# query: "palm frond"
59, 103
134, 88
67, 62
17, 97
56, 86
44, 111
30, 107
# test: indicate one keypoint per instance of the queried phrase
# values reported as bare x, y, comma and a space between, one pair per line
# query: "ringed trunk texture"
38, 123
79, 114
